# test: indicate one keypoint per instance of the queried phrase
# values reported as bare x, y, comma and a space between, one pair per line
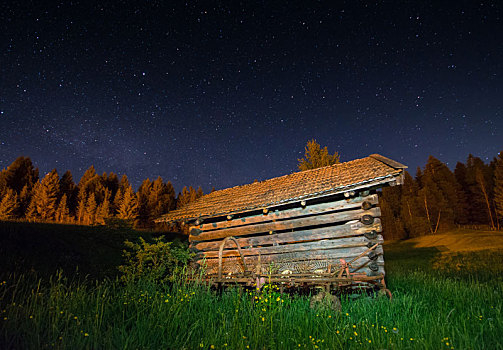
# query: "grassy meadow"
446, 295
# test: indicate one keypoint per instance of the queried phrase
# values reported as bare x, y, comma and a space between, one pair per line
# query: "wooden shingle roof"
290, 188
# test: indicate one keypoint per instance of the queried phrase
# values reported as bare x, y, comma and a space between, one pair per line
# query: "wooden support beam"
335, 244
350, 203
235, 266
322, 254
287, 224
346, 230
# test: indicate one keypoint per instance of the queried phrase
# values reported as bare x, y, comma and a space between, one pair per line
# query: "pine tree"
144, 193
186, 196
434, 203
414, 224
81, 207
68, 188
45, 197
24, 200
63, 213
316, 157
498, 187
20, 173
103, 211
199, 192
128, 209
477, 211
162, 198
8, 205
91, 207
88, 175
445, 181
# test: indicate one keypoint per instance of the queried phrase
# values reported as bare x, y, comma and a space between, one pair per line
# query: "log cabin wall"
309, 238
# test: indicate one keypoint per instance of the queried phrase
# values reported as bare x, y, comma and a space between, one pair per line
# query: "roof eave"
334, 191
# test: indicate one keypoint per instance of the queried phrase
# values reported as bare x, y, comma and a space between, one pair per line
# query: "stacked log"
310, 238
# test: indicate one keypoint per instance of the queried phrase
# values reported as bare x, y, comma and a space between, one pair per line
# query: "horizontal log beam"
349, 242
324, 254
346, 230
287, 224
349, 203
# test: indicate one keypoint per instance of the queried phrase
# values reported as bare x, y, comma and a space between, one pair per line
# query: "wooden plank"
349, 203
345, 230
349, 242
287, 224
325, 254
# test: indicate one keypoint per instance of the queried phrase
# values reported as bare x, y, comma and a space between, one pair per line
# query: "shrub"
158, 261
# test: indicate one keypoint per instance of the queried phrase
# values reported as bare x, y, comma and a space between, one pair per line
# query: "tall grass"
428, 311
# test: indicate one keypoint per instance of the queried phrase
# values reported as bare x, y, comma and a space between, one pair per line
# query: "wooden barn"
314, 227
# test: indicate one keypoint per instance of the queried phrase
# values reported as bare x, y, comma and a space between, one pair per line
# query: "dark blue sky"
220, 96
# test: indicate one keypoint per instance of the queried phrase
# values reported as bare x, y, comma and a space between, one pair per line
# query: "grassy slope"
459, 253
95, 251
433, 308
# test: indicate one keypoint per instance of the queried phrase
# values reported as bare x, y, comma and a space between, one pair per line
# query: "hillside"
83, 250
463, 252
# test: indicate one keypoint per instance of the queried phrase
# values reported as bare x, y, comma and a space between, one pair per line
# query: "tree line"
94, 200
435, 199
438, 199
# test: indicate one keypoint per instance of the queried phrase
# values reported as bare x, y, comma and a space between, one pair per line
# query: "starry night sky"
220, 96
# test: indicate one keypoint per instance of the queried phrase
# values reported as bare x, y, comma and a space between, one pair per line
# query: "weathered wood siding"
299, 240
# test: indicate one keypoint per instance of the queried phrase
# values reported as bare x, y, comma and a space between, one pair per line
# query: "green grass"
432, 308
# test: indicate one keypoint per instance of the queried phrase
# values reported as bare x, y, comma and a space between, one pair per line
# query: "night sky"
220, 96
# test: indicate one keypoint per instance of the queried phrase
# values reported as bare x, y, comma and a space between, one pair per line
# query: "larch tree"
45, 197
128, 207
316, 157
63, 213
498, 187
20, 173
68, 188
162, 198
445, 181
144, 209
103, 210
8, 204
90, 212
80, 211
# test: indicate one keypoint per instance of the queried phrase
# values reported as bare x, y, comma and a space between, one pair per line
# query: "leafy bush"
158, 261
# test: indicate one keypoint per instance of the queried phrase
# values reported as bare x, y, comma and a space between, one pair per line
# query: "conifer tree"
128, 208
162, 199
498, 187
68, 188
63, 213
90, 212
445, 181
88, 175
316, 157
199, 192
45, 197
414, 224
186, 196
434, 203
24, 200
20, 173
144, 193
8, 205
103, 211
81, 207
